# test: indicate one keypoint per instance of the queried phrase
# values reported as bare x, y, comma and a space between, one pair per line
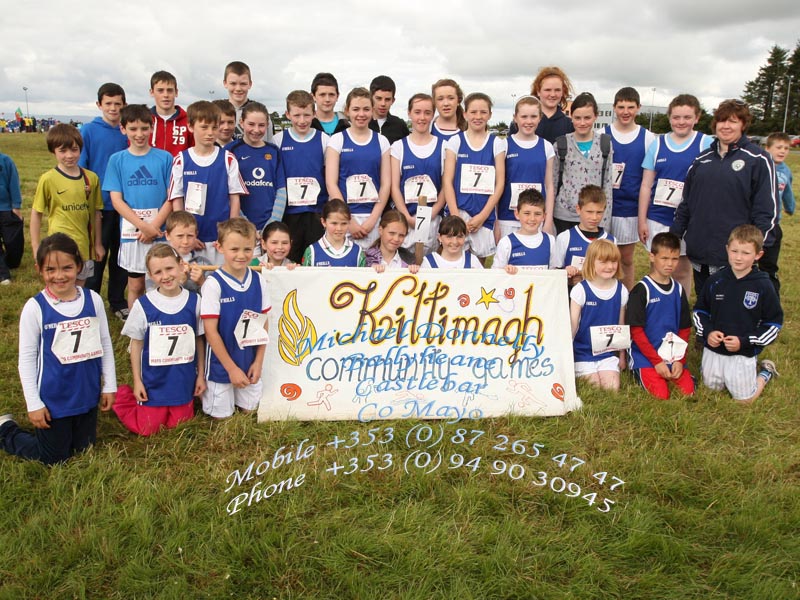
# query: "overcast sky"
65, 50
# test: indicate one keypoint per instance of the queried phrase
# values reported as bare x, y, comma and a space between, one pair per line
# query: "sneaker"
6, 419
122, 314
769, 367
5, 282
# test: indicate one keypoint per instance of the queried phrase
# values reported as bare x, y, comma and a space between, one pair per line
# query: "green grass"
709, 508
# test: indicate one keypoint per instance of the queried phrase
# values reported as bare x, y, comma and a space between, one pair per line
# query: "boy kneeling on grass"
738, 313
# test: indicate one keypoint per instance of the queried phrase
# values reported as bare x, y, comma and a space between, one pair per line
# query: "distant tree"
766, 94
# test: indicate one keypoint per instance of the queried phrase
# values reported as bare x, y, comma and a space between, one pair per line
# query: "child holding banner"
597, 311
166, 349
385, 252
451, 254
335, 248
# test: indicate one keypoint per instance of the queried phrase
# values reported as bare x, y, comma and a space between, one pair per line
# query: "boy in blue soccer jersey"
234, 306
206, 180
102, 138
303, 156
137, 180
571, 245
738, 314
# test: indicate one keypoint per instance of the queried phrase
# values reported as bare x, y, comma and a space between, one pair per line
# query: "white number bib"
619, 171
477, 179
128, 230
195, 200
518, 188
249, 331
672, 348
302, 191
419, 185
361, 189
610, 338
171, 345
422, 225
577, 262
668, 193
77, 340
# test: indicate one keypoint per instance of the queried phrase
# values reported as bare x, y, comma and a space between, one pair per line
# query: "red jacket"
172, 135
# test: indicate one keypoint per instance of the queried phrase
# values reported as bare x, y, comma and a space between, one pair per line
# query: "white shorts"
431, 244
373, 235
507, 227
625, 230
654, 227
87, 270
590, 367
131, 256
220, 399
481, 243
736, 373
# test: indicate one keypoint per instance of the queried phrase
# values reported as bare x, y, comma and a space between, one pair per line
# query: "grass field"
709, 507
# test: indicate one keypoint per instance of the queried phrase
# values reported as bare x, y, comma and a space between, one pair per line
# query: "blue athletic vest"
432, 260
413, 165
579, 244
662, 315
523, 256
262, 173
239, 297
320, 258
66, 390
523, 165
218, 204
304, 159
671, 165
168, 385
360, 160
474, 203
593, 313
626, 197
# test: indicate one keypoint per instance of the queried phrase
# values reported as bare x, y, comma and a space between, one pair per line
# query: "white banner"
351, 344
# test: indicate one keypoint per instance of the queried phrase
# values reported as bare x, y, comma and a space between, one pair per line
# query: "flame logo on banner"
296, 333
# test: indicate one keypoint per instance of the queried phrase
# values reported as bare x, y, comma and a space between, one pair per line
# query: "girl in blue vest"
451, 254
474, 174
66, 360
447, 96
357, 168
276, 244
417, 161
335, 248
529, 165
596, 302
166, 350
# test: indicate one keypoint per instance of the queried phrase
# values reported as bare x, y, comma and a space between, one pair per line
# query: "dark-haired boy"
325, 91
102, 138
528, 246
170, 123
630, 143
383, 90
205, 179
137, 179
660, 321
227, 122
